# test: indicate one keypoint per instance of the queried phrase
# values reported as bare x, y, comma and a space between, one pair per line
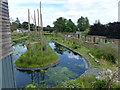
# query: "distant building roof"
78, 32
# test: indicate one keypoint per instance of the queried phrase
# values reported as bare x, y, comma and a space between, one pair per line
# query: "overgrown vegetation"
39, 53
17, 36
85, 82
104, 54
107, 62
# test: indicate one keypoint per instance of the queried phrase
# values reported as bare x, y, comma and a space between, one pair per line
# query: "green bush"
99, 84
97, 53
71, 84
31, 86
103, 54
75, 46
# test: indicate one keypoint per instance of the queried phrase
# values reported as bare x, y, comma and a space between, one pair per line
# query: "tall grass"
106, 53
39, 53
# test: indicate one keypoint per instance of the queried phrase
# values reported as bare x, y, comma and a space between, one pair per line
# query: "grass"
84, 82
83, 51
35, 58
88, 81
39, 54
17, 36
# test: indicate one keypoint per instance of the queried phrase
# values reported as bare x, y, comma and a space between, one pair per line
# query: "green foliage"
84, 50
59, 75
81, 82
86, 81
86, 31
103, 54
14, 25
60, 24
115, 85
25, 25
39, 53
70, 26
64, 25
35, 58
83, 24
17, 36
31, 86
71, 84
75, 46
99, 84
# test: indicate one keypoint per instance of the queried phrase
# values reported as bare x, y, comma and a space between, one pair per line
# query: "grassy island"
39, 54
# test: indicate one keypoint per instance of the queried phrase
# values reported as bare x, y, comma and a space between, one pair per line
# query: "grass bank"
88, 80
83, 51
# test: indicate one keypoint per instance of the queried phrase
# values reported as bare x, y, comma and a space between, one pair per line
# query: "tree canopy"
70, 26
60, 24
64, 25
83, 23
110, 30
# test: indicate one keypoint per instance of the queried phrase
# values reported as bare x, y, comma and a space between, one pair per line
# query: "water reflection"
71, 66
59, 49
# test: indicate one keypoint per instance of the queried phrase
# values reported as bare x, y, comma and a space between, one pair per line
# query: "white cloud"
105, 10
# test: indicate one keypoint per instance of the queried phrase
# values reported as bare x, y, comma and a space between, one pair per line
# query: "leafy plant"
103, 54
71, 84
31, 86
99, 84
39, 53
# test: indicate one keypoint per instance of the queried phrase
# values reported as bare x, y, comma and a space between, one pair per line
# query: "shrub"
103, 54
71, 84
110, 57
74, 46
31, 86
99, 84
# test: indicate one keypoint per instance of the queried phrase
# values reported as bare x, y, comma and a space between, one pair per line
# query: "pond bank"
89, 64
70, 66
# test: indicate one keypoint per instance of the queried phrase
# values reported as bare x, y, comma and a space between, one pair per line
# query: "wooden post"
41, 18
38, 19
29, 20
35, 21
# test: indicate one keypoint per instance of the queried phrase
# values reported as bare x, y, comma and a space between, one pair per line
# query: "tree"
83, 24
110, 30
60, 24
97, 22
48, 26
25, 25
32, 27
98, 29
70, 26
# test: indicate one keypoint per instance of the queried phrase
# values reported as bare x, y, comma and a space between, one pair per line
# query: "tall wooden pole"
38, 19
35, 21
41, 18
28, 19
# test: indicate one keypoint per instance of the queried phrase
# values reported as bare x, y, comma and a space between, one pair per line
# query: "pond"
70, 66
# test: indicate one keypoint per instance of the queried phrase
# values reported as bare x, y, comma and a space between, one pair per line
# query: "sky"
104, 10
